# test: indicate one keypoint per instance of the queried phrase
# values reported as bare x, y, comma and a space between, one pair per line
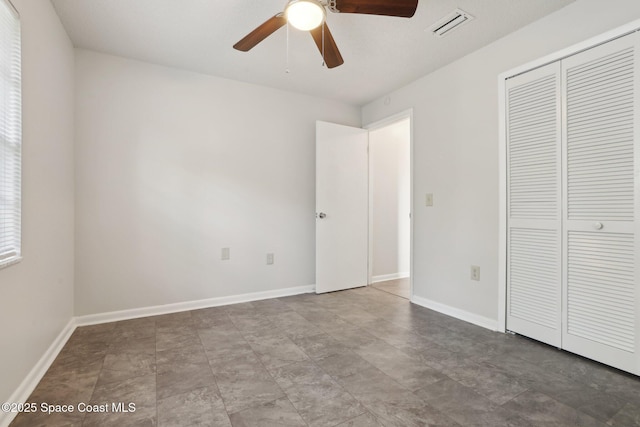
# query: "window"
10, 134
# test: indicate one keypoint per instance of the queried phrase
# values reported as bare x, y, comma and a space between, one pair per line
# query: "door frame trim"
394, 118
592, 42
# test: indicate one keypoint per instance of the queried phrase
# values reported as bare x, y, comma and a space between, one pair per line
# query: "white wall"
389, 151
36, 295
172, 166
456, 152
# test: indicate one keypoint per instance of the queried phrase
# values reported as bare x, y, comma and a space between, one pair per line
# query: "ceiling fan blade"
262, 32
401, 8
332, 55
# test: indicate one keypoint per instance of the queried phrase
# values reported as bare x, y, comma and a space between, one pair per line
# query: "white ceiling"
380, 53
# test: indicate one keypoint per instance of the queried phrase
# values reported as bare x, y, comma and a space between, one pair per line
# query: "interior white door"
534, 201
342, 207
601, 152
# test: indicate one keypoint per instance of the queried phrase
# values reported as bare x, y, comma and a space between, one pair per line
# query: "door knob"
598, 226
322, 215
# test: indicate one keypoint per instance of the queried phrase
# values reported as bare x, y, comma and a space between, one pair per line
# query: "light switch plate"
225, 254
269, 259
428, 200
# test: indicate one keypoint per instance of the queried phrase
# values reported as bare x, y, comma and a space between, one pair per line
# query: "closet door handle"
598, 226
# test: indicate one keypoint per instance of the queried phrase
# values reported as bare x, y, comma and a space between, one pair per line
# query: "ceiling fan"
310, 15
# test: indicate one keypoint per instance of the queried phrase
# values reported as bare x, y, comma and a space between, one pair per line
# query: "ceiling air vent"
453, 20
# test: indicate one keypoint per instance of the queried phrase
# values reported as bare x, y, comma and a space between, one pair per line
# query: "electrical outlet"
475, 272
428, 200
226, 254
269, 259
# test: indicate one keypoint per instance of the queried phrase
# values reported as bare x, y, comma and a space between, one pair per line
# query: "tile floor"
354, 358
398, 287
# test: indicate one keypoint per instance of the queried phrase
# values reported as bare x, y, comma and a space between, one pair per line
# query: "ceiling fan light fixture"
305, 15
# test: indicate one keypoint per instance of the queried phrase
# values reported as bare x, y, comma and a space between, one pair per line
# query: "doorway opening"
364, 202
390, 205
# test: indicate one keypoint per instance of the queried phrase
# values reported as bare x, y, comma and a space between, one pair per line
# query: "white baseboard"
113, 316
385, 277
32, 379
476, 319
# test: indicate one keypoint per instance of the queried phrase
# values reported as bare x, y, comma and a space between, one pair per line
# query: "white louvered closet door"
601, 282
534, 204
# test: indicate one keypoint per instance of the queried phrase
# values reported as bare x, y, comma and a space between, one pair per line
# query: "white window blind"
10, 134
